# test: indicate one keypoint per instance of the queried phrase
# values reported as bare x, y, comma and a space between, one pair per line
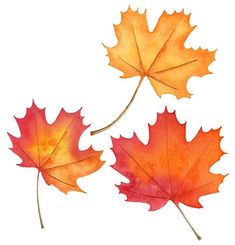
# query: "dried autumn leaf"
169, 168
53, 149
159, 55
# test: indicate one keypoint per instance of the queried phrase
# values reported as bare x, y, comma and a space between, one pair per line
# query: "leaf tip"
33, 103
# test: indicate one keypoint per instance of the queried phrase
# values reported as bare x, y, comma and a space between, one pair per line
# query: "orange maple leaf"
159, 55
53, 149
169, 168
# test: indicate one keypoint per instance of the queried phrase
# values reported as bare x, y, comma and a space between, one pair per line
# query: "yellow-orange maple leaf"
159, 55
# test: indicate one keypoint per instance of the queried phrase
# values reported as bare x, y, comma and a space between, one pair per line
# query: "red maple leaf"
169, 168
53, 149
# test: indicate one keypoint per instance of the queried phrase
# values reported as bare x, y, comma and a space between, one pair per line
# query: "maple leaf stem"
38, 204
185, 218
122, 113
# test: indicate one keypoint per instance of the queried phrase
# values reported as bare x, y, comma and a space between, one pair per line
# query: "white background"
51, 51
